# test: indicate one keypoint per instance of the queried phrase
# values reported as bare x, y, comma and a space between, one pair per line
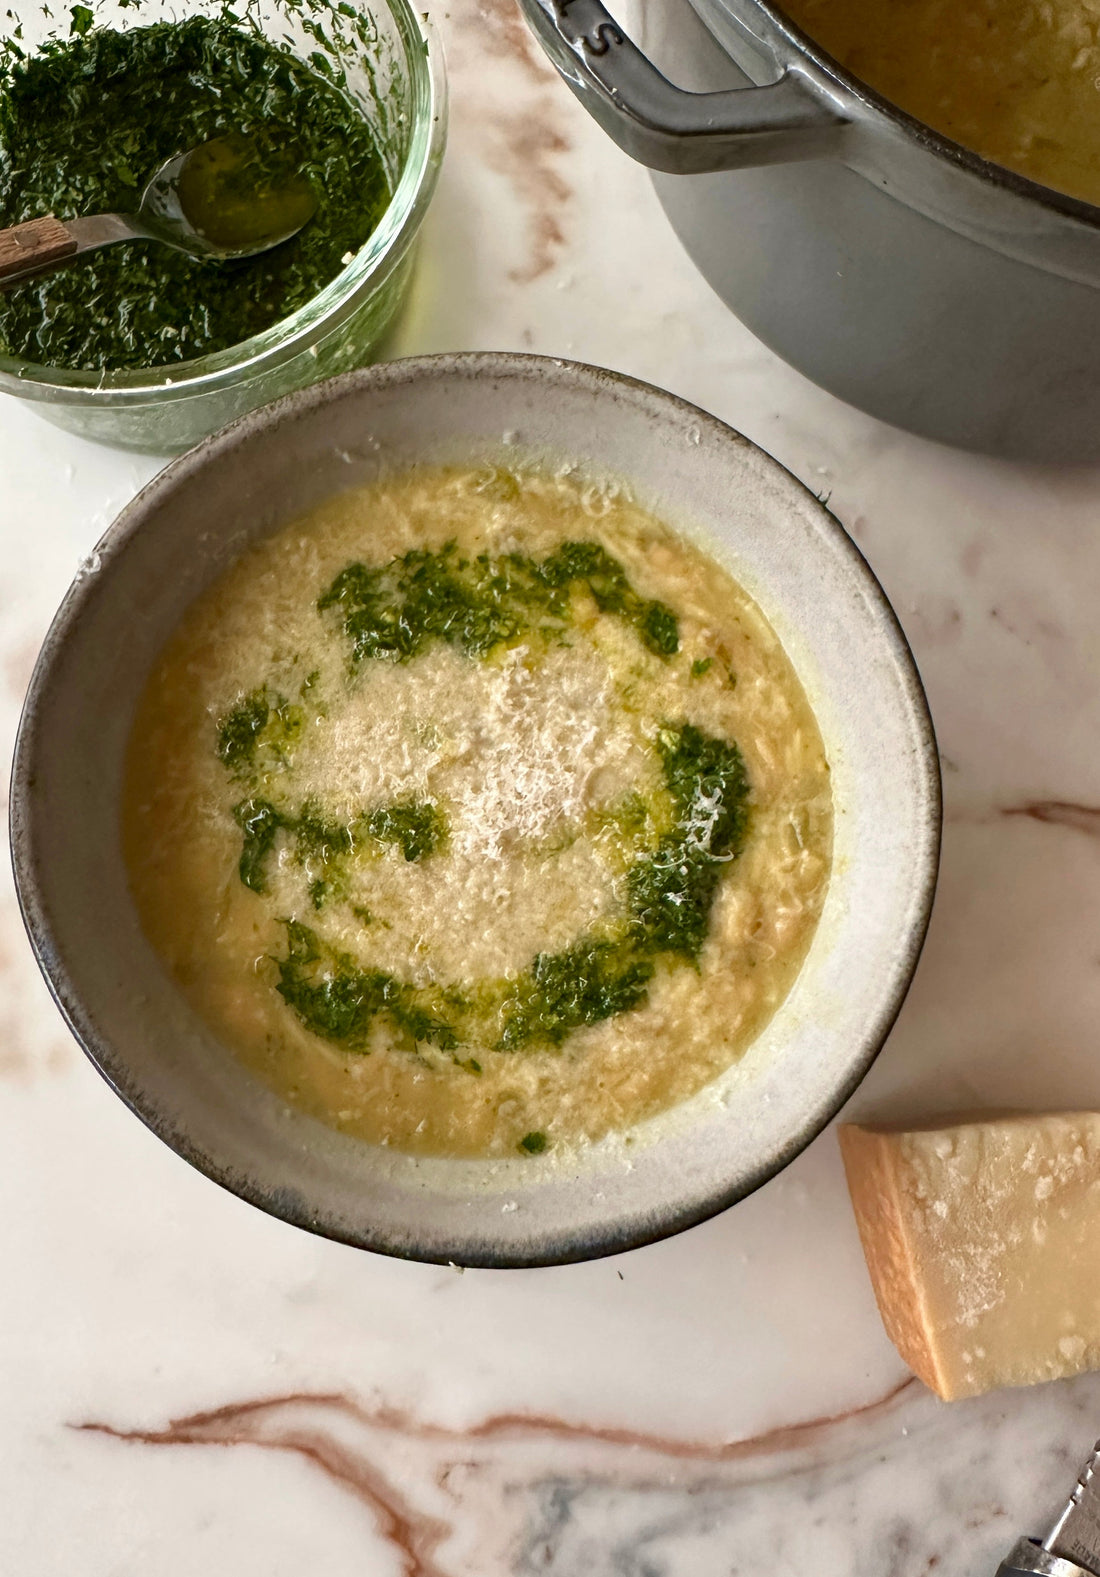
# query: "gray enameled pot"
896, 269
190, 523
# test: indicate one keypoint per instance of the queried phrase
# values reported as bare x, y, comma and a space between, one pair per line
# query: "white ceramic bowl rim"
117, 999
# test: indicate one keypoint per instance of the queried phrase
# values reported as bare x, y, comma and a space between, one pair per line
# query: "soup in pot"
1017, 81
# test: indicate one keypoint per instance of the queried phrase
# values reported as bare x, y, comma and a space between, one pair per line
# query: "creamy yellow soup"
479, 813
1017, 81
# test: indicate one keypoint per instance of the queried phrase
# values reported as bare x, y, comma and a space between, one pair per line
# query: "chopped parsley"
416, 826
258, 732
322, 846
670, 892
86, 120
239, 732
260, 822
397, 610
670, 849
591, 565
337, 1000
564, 991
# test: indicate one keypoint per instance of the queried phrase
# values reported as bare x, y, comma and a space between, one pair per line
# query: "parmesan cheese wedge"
983, 1242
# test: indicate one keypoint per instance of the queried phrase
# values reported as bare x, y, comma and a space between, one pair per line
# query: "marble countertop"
720, 1401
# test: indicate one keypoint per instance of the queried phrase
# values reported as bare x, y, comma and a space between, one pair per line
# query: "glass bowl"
392, 67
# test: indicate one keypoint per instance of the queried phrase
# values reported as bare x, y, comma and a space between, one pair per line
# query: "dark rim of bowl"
282, 1204
926, 136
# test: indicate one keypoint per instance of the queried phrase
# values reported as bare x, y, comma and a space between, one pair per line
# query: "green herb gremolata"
86, 121
394, 612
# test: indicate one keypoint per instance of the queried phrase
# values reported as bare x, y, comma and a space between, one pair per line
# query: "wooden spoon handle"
28, 247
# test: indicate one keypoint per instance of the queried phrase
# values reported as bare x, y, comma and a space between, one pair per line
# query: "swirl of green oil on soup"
393, 612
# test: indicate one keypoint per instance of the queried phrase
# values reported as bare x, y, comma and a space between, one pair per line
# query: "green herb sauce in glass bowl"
148, 349
86, 121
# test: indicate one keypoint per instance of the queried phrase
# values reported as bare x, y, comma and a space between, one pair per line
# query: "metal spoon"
208, 202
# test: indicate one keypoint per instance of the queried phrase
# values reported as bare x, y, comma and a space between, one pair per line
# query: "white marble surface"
651, 1416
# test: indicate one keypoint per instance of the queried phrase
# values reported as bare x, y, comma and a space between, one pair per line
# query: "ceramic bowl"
839, 630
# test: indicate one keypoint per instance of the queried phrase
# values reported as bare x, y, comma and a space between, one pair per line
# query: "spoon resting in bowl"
217, 201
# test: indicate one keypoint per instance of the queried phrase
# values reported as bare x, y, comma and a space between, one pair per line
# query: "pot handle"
666, 127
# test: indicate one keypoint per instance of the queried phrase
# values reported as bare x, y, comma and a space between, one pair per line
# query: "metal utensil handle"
665, 127
1072, 1547
41, 245
1028, 1558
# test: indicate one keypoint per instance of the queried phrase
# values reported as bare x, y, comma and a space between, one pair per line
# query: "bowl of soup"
481, 809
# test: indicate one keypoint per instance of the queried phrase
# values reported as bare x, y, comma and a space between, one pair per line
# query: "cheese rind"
983, 1243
